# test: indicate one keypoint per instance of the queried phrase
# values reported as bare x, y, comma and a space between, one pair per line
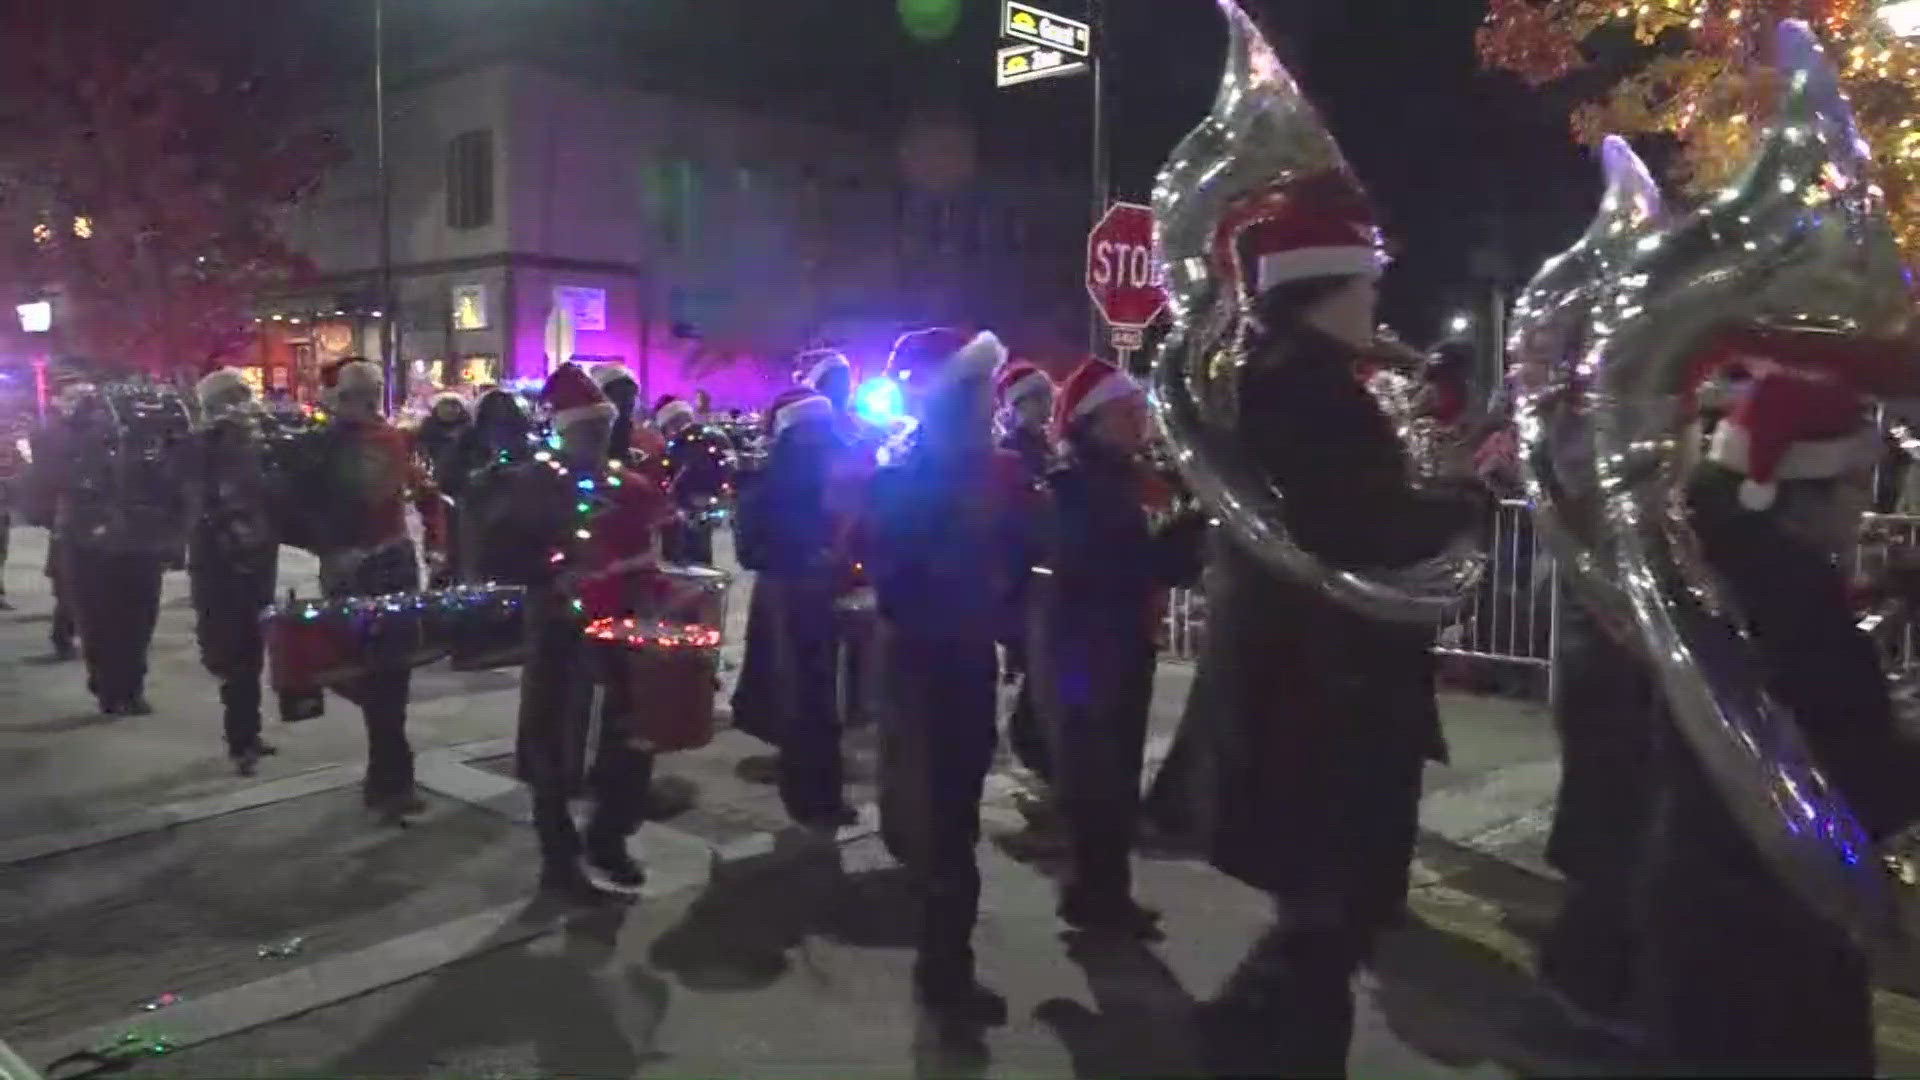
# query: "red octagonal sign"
1122, 275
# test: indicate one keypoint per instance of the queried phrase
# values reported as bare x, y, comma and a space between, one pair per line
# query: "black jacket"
946, 542
1308, 722
783, 522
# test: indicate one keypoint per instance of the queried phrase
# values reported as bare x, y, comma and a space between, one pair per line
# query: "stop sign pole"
1123, 278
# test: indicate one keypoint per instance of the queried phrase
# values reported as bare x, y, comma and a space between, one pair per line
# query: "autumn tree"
1698, 73
141, 183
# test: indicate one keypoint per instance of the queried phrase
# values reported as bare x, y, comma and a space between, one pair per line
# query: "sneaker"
246, 760
1124, 917
613, 870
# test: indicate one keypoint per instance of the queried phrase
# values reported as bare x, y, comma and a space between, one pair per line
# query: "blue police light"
879, 401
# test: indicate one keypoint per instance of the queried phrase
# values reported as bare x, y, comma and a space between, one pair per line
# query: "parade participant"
700, 463
121, 512
577, 563
439, 432
673, 416
499, 440
1093, 644
359, 478
39, 495
831, 374
946, 531
1744, 978
1024, 394
786, 533
623, 391
232, 556
1313, 710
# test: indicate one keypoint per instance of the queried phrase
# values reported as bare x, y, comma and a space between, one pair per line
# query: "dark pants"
116, 603
937, 744
556, 696
6, 543
1606, 708
1099, 754
1025, 733
1287, 1010
229, 591
1742, 978
382, 694
806, 647
755, 693
63, 630
687, 544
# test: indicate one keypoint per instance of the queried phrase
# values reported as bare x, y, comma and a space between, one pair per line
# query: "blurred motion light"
879, 401
1460, 324
1902, 17
929, 20
37, 317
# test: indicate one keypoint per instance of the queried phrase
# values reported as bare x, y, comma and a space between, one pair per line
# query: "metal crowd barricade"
1509, 619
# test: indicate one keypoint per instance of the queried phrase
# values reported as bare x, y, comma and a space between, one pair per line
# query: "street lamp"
36, 317
1460, 324
389, 333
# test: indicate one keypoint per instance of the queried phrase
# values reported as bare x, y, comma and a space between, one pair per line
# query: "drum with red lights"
672, 671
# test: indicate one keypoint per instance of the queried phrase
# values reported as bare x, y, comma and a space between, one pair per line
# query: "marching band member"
583, 568
946, 525
1024, 394
787, 534
363, 475
1094, 651
233, 554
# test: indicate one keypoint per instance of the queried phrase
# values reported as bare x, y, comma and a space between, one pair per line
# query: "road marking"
250, 797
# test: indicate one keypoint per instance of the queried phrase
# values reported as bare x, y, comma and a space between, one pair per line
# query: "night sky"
1455, 157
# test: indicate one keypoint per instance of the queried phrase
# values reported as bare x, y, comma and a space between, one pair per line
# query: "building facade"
699, 244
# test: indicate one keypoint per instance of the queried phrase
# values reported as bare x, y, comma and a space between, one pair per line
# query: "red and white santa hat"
815, 364
1093, 384
220, 386
1317, 225
574, 398
608, 372
933, 361
352, 373
1018, 380
673, 411
796, 406
1790, 427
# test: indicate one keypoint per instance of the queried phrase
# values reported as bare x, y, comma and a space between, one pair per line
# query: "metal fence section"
1185, 626
1511, 617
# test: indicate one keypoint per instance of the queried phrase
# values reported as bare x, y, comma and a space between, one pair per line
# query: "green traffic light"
929, 20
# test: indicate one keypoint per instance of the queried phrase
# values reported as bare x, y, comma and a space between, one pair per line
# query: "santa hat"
353, 373
220, 385
1093, 384
795, 406
937, 360
1019, 379
608, 372
672, 410
819, 362
1317, 225
1787, 427
574, 398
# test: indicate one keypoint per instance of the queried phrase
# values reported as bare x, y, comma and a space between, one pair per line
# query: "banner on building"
588, 307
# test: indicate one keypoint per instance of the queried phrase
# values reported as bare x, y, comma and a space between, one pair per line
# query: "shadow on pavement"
1143, 1022
741, 932
1464, 1005
557, 1004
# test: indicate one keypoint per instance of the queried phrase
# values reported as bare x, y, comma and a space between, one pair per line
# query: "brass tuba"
1261, 133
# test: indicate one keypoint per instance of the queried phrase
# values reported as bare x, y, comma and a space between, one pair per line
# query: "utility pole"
1102, 185
389, 328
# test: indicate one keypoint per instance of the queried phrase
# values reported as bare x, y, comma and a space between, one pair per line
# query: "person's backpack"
125, 491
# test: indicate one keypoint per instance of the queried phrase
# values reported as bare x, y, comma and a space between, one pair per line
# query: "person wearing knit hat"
787, 694
1094, 644
353, 512
1024, 395
945, 533
1775, 508
673, 415
232, 557
618, 383
1336, 718
579, 570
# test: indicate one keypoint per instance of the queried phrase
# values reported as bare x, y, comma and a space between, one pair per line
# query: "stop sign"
1122, 276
